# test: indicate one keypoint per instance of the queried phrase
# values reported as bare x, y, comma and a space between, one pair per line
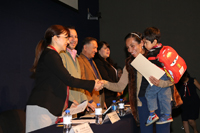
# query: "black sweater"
107, 73
51, 81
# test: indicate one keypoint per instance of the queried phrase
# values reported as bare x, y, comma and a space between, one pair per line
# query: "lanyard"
186, 88
53, 48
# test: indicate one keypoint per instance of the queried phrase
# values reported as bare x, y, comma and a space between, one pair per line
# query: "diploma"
146, 68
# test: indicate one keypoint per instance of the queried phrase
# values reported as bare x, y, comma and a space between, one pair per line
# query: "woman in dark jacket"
106, 69
50, 94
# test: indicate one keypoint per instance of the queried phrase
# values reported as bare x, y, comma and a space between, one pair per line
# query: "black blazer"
51, 81
107, 72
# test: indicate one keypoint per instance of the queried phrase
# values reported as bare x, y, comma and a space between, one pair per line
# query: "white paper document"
113, 116
146, 68
83, 121
80, 108
82, 128
88, 116
80, 121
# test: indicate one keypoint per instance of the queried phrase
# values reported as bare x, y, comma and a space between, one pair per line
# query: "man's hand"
92, 107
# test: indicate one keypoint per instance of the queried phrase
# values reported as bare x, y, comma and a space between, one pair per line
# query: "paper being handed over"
80, 108
146, 68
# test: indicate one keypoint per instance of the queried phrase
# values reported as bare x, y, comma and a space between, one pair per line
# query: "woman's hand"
92, 106
98, 85
154, 81
75, 102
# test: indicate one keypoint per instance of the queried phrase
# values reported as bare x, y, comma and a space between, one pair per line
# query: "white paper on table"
80, 108
92, 121
113, 116
88, 116
82, 128
146, 68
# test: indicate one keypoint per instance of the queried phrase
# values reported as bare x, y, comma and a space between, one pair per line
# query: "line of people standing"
63, 79
50, 96
68, 79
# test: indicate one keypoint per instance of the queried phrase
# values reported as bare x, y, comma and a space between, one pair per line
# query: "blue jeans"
143, 115
163, 95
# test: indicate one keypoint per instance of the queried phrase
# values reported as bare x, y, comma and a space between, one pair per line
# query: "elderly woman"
137, 85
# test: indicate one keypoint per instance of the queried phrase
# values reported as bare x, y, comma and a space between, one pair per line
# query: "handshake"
99, 84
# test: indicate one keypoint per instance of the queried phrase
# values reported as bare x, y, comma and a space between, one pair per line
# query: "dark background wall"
22, 25
179, 22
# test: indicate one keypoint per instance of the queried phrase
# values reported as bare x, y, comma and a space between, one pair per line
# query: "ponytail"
38, 51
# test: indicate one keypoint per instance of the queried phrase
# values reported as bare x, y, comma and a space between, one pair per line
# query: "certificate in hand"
80, 108
146, 68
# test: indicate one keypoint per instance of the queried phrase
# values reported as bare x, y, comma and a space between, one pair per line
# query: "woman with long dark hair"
50, 95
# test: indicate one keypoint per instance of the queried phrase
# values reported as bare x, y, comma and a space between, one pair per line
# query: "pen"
59, 125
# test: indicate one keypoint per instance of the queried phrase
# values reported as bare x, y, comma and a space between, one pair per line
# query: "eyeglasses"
63, 36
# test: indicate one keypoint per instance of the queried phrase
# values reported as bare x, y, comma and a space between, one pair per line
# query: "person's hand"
103, 82
74, 104
154, 81
94, 104
91, 106
98, 85
119, 94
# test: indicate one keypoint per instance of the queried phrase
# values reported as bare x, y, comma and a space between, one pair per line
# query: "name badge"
113, 117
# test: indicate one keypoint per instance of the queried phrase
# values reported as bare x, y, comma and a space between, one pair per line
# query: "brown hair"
50, 32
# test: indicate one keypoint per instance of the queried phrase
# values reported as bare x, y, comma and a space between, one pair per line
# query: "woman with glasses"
50, 95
